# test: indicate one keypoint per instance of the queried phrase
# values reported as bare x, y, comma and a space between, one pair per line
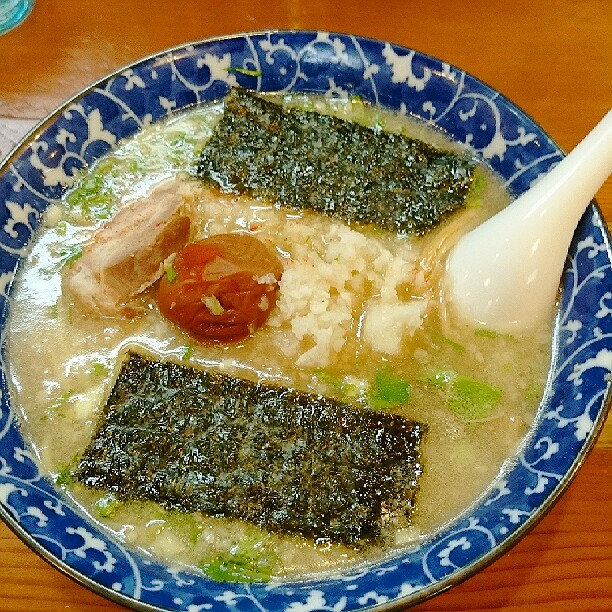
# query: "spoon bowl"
504, 275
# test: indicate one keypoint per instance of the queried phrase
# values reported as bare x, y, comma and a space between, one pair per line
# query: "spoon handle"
573, 182
505, 274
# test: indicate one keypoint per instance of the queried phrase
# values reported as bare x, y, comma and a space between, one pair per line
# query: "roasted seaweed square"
285, 460
308, 160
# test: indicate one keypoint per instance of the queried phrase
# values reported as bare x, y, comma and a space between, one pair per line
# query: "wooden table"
554, 59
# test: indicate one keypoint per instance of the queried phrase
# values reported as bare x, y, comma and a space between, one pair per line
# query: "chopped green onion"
245, 563
93, 197
213, 304
348, 388
171, 274
107, 506
474, 197
351, 387
236, 569
467, 397
388, 389
439, 338
65, 477
533, 394
62, 401
186, 351
329, 379
98, 369
245, 71
479, 182
70, 254
187, 526
483, 332
53, 311
473, 399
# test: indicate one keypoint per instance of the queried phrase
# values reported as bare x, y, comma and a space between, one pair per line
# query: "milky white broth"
62, 363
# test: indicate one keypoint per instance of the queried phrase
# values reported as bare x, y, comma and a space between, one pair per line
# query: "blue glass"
13, 12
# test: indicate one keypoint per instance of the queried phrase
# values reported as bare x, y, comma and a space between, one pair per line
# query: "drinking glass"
13, 12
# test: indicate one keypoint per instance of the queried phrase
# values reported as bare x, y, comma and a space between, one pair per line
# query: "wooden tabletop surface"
553, 59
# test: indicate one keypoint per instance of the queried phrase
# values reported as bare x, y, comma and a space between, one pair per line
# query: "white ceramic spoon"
505, 274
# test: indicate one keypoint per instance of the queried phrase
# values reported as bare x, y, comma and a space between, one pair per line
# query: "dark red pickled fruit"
222, 288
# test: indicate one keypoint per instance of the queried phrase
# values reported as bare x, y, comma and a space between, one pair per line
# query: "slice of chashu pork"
126, 255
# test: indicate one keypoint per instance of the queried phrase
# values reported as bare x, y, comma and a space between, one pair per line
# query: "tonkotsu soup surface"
360, 313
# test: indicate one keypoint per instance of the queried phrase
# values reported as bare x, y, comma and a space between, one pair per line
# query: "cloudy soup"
358, 316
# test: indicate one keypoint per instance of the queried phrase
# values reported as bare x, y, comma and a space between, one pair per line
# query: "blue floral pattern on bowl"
569, 418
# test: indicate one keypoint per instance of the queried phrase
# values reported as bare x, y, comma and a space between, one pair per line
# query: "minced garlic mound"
340, 283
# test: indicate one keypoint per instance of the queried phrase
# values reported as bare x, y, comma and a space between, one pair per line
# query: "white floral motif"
515, 515
219, 67
271, 49
177, 575
64, 137
218, 71
52, 176
445, 554
573, 327
336, 44
91, 542
316, 601
590, 248
501, 485
583, 422
593, 247
473, 537
19, 215
337, 91
407, 589
23, 455
498, 144
6, 278
603, 359
36, 512
95, 129
401, 67
157, 585
166, 104
372, 597
56, 505
132, 80
548, 448
231, 598
5, 490
57, 174
340, 57
604, 309
523, 168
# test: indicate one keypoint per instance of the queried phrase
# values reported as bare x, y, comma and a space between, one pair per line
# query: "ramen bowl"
569, 416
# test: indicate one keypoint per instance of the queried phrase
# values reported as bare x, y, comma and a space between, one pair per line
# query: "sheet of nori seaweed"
303, 159
288, 461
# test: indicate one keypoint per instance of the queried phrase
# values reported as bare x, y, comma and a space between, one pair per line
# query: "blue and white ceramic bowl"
568, 420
